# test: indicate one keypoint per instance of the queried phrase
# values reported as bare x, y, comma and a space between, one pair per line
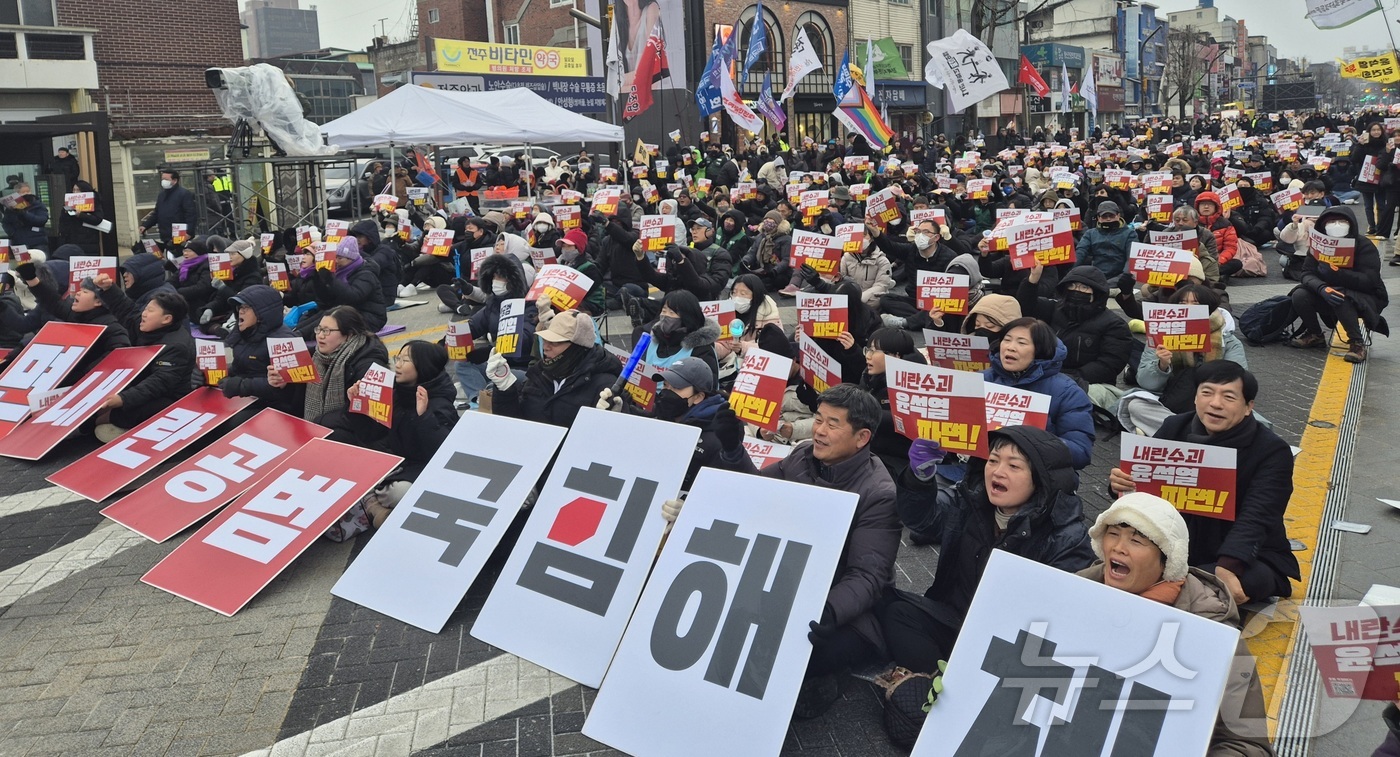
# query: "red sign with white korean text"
221, 265
722, 313
605, 201
1076, 221
851, 237
80, 202
919, 215
564, 286
1229, 197
1044, 243
1179, 328
1339, 252
375, 396
818, 369
335, 230
979, 189
480, 254
1356, 649
764, 454
1012, 406
238, 553
860, 192
1287, 199
438, 242
1157, 183
946, 293
99, 474
957, 352
882, 208
202, 484
292, 360
657, 232
938, 404
1185, 239
458, 340
642, 385
211, 359
42, 432
822, 316
179, 233
1263, 181
1198, 479
813, 202
41, 366
568, 217
89, 267
1158, 266
277, 277
1118, 179
1159, 208
821, 252
757, 395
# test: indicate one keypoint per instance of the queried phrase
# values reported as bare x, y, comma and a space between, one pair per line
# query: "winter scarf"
189, 264
331, 396
564, 364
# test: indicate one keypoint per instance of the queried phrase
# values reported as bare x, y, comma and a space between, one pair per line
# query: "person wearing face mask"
1097, 342
354, 283
572, 373
542, 233
691, 397
174, 204
1106, 246
1347, 299
756, 313
1255, 219
988, 317
929, 250
572, 251
733, 236
681, 331
768, 256
870, 269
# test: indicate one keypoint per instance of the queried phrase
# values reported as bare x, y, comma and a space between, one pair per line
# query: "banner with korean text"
945, 406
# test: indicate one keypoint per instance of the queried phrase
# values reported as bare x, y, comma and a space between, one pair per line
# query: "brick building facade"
523, 22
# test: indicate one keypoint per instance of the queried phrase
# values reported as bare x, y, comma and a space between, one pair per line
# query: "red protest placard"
860, 192
202, 484
277, 276
1355, 649
479, 254
221, 266
957, 352
80, 202
40, 433
1287, 199
642, 385
458, 340
818, 369
1159, 266
605, 201
757, 395
568, 217
882, 208
1118, 179
542, 256
813, 202
1229, 197
1159, 208
979, 189
335, 231
1263, 181
1179, 328
657, 232
1198, 479
946, 406
41, 366
375, 397
821, 252
385, 203
292, 360
1048, 244
1012, 406
521, 209
764, 454
265, 241
722, 313
1076, 221
438, 242
919, 215
324, 255
1185, 239
179, 233
1159, 182
851, 237
945, 292
822, 316
211, 359
1334, 251
564, 286
1369, 172
238, 553
89, 267
99, 474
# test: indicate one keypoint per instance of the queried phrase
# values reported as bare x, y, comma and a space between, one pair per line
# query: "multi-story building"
904, 97
1142, 36
280, 27
1096, 30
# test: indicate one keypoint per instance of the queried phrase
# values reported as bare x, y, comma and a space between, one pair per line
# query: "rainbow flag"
859, 114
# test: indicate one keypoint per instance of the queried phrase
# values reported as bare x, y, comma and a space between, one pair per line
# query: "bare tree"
1189, 60
986, 16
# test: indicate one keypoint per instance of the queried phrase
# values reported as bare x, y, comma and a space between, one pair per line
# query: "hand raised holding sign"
103, 281
275, 379
1120, 482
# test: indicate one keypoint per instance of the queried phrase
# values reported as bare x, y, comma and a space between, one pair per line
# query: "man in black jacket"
1251, 553
1097, 341
165, 380
174, 204
85, 306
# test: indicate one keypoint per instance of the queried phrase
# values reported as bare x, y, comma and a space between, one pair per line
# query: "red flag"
1028, 75
651, 68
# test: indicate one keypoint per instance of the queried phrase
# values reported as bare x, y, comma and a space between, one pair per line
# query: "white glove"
671, 509
498, 370
606, 401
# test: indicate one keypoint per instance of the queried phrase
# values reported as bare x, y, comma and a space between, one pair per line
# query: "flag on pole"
614, 62
758, 42
1090, 92
858, 113
651, 68
1333, 14
768, 106
870, 68
707, 91
1064, 88
734, 105
803, 61
843, 82
964, 68
1028, 75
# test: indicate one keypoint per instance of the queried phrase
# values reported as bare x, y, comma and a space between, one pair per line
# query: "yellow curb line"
1312, 473
431, 333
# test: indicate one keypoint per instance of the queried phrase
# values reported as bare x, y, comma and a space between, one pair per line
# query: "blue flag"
844, 82
729, 51
707, 92
758, 42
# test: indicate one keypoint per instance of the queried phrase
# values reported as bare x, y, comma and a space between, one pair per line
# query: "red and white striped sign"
41, 366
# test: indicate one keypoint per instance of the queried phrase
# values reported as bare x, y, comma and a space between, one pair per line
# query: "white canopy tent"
418, 115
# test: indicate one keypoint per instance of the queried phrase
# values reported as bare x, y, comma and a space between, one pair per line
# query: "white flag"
614, 61
870, 68
964, 65
1064, 88
1089, 91
803, 61
1331, 14
734, 105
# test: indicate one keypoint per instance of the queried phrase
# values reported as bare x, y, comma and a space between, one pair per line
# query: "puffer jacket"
26, 225
865, 571
1227, 240
535, 398
384, 256
247, 371
486, 321
114, 336
708, 452
167, 378
416, 438
1048, 529
615, 255
870, 270
738, 242
1071, 415
770, 253
1106, 249
1097, 341
148, 273
1240, 727
1255, 219
1362, 282
345, 426
359, 290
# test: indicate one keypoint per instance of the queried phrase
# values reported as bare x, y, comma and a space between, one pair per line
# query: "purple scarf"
343, 272
189, 264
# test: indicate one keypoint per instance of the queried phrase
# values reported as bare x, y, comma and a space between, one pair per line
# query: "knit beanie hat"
348, 248
249, 249
773, 216
1154, 518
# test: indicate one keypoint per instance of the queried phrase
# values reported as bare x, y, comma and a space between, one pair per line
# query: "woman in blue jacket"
1029, 358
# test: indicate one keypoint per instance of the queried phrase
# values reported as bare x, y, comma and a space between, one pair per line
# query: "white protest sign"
762, 548
566, 591
421, 562
1045, 654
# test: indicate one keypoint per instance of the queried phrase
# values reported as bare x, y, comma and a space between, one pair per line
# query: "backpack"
1272, 320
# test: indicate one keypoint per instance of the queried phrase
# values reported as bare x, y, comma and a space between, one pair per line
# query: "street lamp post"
1141, 79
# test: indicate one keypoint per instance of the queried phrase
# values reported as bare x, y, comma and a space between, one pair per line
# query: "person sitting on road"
345, 350
572, 372
1097, 341
1250, 554
1347, 299
258, 310
163, 382
354, 283
85, 306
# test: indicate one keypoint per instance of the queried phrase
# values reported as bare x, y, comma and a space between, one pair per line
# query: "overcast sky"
353, 23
